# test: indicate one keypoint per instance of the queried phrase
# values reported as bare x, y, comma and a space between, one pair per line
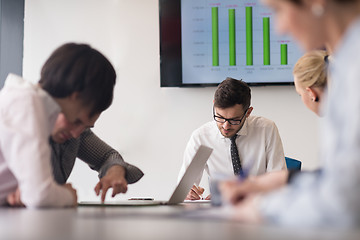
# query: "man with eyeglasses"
242, 144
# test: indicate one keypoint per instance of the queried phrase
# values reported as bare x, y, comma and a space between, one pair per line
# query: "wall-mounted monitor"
204, 41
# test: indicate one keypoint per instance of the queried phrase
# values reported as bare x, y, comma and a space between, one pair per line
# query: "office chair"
292, 164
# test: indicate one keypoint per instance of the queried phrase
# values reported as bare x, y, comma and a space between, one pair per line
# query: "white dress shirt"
27, 117
259, 146
333, 197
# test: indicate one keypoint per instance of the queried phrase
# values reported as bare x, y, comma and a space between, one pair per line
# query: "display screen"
205, 41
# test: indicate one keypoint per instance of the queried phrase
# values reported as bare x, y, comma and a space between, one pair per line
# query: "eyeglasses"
230, 121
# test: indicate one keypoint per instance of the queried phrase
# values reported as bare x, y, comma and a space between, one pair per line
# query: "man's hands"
73, 192
245, 195
115, 178
14, 198
196, 194
234, 191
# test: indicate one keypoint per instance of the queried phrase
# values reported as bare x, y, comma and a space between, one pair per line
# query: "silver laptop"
192, 172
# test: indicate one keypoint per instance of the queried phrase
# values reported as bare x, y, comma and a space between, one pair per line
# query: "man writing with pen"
242, 144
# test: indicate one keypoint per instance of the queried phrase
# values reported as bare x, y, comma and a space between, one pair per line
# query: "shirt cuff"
132, 173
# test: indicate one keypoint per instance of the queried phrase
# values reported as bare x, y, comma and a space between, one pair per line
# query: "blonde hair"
311, 70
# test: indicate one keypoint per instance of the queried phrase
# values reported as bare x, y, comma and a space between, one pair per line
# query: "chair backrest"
292, 164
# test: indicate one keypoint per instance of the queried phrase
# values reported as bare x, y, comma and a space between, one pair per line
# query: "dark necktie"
235, 156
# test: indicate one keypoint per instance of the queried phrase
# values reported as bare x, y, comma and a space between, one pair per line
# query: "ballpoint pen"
244, 172
147, 199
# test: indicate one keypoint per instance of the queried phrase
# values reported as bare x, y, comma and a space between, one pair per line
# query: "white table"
152, 222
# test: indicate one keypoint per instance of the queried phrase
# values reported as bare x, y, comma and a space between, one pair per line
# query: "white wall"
147, 124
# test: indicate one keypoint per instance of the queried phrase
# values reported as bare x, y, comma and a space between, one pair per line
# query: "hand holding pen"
236, 189
195, 193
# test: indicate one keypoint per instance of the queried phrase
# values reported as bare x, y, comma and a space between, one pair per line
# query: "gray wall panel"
11, 37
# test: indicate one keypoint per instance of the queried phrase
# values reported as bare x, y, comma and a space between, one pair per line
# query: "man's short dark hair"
231, 92
79, 68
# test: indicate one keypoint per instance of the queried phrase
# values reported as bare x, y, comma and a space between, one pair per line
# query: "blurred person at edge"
330, 197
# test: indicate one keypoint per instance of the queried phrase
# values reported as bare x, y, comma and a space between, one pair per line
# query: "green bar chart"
249, 41
233, 38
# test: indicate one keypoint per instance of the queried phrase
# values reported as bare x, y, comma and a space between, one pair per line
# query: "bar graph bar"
220, 23
215, 35
284, 54
249, 36
232, 38
266, 40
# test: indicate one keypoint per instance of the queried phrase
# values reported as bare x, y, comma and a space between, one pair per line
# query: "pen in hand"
245, 171
242, 175
198, 191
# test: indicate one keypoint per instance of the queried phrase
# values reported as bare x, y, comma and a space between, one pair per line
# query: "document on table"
197, 201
